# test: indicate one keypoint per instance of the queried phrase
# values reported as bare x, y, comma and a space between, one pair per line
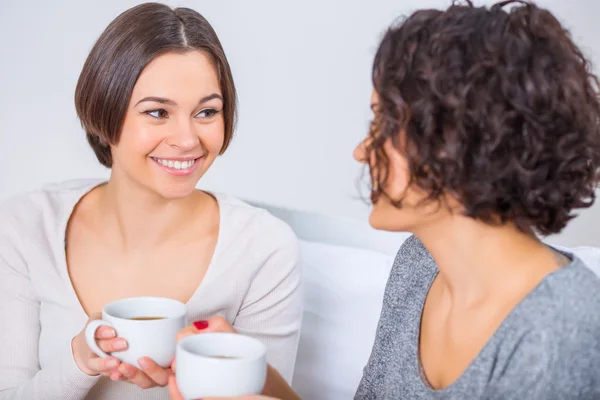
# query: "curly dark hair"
498, 108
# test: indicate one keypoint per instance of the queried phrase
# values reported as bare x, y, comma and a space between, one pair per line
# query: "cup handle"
90, 336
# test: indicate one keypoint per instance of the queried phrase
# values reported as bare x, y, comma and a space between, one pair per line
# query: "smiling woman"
167, 127
157, 102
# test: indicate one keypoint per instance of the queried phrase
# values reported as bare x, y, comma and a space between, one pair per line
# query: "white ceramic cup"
201, 374
155, 339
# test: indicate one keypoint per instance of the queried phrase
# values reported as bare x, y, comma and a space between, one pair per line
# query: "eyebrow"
164, 100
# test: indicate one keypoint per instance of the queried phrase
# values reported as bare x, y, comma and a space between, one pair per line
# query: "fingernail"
112, 363
109, 333
200, 325
143, 363
120, 344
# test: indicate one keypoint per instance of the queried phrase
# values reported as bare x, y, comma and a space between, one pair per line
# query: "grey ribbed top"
547, 348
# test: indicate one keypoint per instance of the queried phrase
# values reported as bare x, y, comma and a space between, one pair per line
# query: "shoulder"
31, 223
570, 298
549, 362
49, 199
549, 345
560, 323
413, 250
413, 264
560, 358
40, 211
410, 278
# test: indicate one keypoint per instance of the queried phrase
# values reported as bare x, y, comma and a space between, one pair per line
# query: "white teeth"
176, 164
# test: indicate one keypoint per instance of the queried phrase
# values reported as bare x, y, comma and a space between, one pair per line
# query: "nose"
184, 136
360, 152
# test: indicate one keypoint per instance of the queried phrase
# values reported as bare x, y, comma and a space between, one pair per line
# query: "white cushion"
344, 289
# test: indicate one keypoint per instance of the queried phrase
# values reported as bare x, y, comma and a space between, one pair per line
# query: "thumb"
173, 390
214, 324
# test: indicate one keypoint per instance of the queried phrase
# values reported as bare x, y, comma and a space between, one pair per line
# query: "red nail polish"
200, 325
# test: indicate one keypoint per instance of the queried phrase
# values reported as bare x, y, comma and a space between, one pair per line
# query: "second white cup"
220, 365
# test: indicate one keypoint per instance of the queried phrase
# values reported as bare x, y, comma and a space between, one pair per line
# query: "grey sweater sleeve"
372, 381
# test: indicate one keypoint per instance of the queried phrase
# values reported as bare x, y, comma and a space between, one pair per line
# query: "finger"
173, 390
187, 331
105, 332
215, 324
108, 346
173, 365
241, 398
101, 365
159, 375
116, 376
135, 376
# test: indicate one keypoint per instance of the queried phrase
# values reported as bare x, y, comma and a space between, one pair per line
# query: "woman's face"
385, 216
173, 128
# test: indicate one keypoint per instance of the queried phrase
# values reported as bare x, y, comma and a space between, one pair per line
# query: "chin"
386, 217
176, 191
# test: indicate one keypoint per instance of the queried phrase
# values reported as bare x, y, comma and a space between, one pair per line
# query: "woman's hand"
87, 361
151, 374
175, 395
215, 324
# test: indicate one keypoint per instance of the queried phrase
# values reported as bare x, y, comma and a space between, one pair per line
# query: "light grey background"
302, 69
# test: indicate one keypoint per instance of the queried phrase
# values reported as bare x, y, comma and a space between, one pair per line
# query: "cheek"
398, 173
397, 181
138, 138
213, 137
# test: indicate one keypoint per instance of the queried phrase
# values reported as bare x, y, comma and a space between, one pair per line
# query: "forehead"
178, 76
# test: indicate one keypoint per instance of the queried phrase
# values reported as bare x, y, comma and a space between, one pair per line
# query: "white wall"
302, 69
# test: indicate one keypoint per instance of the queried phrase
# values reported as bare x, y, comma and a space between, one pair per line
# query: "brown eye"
207, 113
158, 114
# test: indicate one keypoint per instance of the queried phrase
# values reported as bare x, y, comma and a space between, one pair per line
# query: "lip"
186, 158
179, 172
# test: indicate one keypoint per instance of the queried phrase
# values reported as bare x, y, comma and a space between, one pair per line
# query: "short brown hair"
124, 49
496, 107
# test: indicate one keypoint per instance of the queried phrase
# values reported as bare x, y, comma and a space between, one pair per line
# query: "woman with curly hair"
486, 134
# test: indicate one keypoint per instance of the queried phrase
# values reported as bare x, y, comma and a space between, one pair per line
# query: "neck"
477, 261
139, 219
